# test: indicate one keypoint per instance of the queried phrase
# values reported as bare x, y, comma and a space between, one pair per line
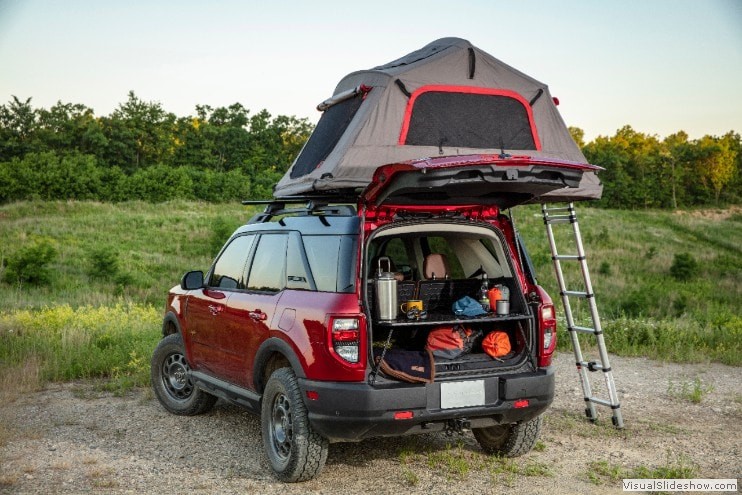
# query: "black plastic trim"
473, 63
266, 349
170, 318
402, 88
355, 411
227, 391
536, 96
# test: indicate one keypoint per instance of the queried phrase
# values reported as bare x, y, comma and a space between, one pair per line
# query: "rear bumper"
354, 411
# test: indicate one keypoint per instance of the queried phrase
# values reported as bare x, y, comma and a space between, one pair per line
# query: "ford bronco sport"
285, 321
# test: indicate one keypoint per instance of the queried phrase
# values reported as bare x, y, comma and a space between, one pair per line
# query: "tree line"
140, 151
644, 171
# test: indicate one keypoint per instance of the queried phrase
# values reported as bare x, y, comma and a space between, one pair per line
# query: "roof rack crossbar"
336, 198
313, 206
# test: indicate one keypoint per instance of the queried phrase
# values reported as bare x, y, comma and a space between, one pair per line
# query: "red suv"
293, 318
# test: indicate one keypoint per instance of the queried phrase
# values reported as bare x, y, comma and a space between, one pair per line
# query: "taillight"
346, 338
547, 324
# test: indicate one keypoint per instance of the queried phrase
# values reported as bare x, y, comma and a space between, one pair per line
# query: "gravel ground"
71, 438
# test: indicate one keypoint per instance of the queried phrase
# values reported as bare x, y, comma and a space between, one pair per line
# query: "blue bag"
466, 306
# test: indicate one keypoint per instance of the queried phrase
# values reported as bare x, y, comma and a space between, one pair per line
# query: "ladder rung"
575, 293
561, 219
583, 329
602, 402
569, 257
560, 208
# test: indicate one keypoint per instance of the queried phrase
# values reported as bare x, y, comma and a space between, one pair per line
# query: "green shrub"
159, 183
30, 264
221, 229
213, 186
104, 264
262, 187
605, 268
641, 301
49, 175
684, 266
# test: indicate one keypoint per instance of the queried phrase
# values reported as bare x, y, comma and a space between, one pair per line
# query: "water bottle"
484, 299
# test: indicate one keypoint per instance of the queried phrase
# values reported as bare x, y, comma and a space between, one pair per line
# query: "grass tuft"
606, 473
693, 391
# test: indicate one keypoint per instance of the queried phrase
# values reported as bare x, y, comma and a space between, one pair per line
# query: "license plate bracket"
462, 394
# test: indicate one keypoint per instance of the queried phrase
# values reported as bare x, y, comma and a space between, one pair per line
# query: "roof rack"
313, 205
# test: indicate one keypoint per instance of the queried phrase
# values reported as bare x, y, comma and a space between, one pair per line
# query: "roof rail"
313, 205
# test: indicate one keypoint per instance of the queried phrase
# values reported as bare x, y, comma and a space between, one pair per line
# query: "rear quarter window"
332, 261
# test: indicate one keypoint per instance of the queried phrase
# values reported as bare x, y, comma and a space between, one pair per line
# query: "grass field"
96, 313
648, 307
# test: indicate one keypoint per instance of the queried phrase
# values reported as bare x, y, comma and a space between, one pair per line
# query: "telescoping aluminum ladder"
558, 215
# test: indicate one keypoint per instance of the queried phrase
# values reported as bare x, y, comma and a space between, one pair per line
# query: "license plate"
462, 394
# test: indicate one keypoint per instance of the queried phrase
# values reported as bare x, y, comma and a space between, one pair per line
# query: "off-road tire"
295, 452
170, 376
509, 440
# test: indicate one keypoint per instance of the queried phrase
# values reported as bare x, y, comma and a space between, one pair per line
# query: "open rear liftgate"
557, 215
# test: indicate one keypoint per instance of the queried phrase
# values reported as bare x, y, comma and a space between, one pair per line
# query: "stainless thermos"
386, 291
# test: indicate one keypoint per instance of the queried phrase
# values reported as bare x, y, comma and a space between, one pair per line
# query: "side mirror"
192, 280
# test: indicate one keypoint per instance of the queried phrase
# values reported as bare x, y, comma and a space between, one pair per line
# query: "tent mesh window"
330, 128
466, 120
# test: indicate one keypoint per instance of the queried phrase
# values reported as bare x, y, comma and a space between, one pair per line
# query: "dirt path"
71, 438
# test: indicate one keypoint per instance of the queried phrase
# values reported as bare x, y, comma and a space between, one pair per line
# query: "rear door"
249, 313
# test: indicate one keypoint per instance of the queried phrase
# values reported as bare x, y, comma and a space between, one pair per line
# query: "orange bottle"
494, 295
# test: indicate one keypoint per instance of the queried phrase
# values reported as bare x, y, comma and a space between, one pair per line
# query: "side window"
268, 271
332, 260
297, 269
322, 252
229, 269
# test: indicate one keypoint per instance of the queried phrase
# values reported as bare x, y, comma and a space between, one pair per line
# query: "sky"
658, 65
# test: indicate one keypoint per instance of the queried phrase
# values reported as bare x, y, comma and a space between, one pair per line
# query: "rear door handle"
215, 309
257, 315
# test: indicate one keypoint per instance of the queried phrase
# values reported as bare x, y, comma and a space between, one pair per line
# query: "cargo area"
433, 265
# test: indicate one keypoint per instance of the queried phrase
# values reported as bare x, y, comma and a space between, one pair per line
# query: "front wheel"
295, 451
170, 375
509, 440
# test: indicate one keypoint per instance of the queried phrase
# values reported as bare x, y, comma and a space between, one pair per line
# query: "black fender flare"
170, 318
266, 349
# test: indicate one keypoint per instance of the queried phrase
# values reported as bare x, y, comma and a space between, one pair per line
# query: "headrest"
435, 266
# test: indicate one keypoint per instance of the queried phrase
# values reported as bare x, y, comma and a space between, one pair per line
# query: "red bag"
451, 342
496, 344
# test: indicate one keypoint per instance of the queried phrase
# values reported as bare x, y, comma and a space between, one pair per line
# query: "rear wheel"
509, 440
170, 375
295, 451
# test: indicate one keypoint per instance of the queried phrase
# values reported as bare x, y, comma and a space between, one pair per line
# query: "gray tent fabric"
447, 98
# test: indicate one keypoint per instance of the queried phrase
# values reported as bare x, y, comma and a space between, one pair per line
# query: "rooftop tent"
447, 98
